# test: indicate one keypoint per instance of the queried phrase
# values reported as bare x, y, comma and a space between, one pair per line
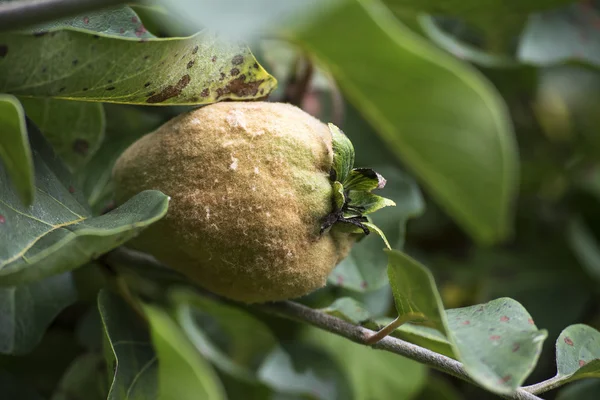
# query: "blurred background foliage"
532, 237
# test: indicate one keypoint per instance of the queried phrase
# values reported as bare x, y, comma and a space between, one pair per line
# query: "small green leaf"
84, 65
75, 129
28, 310
343, 154
15, 153
57, 233
497, 342
368, 202
339, 199
437, 114
82, 380
578, 353
183, 373
378, 231
128, 351
364, 179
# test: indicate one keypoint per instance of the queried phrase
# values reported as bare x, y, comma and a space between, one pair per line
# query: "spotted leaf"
83, 65
578, 353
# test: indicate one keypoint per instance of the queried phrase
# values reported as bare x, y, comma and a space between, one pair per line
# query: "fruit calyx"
352, 198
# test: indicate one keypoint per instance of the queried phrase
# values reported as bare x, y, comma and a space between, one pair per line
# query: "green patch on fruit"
352, 198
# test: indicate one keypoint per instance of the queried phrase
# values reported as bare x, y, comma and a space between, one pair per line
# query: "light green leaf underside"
15, 153
578, 353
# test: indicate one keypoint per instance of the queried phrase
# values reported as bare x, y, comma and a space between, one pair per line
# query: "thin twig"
20, 14
300, 313
545, 386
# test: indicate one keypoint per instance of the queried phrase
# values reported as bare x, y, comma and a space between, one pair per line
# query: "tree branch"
300, 313
19, 14
546, 385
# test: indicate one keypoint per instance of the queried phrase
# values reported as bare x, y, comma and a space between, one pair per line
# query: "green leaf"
343, 154
497, 342
369, 202
75, 129
82, 380
28, 310
584, 390
300, 368
584, 246
365, 267
128, 351
339, 199
348, 309
438, 115
364, 179
578, 353
372, 374
120, 21
15, 153
93, 67
556, 36
375, 228
182, 371
57, 233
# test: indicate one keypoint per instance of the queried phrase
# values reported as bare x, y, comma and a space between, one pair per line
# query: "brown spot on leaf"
40, 34
581, 363
515, 347
213, 59
85, 89
81, 146
240, 88
205, 92
135, 20
506, 378
75, 62
190, 64
122, 31
2, 219
110, 88
466, 323
237, 60
364, 284
195, 50
568, 341
86, 20
530, 321
255, 65
62, 89
234, 72
494, 337
504, 318
146, 84
3, 50
340, 279
71, 189
170, 91
222, 76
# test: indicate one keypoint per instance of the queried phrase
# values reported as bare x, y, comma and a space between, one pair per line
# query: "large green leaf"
27, 310
57, 233
365, 267
75, 129
128, 351
15, 153
372, 374
83, 65
183, 372
82, 381
578, 353
437, 114
497, 342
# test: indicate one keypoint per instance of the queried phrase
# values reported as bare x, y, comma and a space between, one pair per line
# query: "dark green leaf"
343, 154
372, 374
437, 114
299, 368
84, 380
183, 373
365, 267
128, 351
26, 311
364, 179
56, 233
584, 390
15, 153
578, 353
584, 246
93, 67
12, 388
497, 342
75, 129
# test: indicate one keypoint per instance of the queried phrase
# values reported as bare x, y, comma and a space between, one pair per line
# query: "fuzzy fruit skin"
249, 186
